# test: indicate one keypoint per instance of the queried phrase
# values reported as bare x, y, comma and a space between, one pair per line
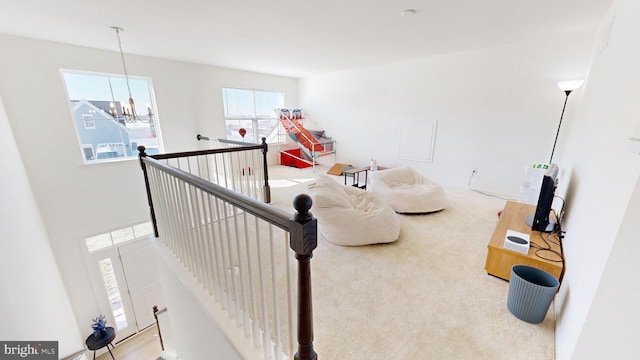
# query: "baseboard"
78, 355
167, 355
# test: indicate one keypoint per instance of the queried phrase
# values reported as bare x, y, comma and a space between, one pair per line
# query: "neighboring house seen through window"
100, 108
253, 110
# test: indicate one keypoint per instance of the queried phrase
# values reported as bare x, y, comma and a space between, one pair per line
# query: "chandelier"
128, 113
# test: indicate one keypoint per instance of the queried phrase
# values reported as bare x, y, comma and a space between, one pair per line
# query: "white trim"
254, 118
234, 334
168, 355
74, 107
412, 134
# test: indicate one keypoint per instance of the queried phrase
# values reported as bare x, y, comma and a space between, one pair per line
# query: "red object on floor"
287, 159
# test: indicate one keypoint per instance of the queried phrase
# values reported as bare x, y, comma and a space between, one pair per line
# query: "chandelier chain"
130, 114
124, 66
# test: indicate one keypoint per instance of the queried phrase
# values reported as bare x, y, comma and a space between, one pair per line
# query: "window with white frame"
254, 111
87, 151
88, 121
101, 113
111, 238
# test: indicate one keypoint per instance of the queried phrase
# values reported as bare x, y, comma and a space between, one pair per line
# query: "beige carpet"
426, 296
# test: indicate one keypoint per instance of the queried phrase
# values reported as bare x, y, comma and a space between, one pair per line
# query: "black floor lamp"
567, 86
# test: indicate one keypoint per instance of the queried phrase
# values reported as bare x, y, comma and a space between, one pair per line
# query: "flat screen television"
540, 220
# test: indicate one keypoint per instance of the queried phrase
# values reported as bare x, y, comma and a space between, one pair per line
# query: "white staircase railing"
239, 250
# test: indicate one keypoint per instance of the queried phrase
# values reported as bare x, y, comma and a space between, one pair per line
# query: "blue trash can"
531, 292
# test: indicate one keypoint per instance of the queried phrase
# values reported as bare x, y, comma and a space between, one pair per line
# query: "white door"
143, 280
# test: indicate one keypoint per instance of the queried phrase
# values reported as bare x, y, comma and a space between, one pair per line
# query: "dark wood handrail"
142, 154
244, 147
204, 152
302, 227
227, 141
261, 210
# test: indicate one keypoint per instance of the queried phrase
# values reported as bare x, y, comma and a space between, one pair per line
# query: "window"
113, 292
88, 121
87, 150
100, 110
252, 110
118, 236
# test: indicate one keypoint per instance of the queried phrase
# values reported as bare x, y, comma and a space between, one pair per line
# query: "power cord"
546, 247
473, 173
560, 235
548, 240
561, 215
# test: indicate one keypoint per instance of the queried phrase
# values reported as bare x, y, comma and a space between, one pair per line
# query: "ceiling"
296, 37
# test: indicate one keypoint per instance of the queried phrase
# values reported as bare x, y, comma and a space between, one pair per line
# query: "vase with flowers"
99, 325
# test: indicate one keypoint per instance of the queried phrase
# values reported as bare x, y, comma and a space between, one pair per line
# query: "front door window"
113, 292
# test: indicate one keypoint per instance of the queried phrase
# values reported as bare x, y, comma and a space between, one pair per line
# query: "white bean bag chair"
406, 191
350, 216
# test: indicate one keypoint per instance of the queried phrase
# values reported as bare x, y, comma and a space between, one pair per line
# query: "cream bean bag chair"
406, 191
351, 216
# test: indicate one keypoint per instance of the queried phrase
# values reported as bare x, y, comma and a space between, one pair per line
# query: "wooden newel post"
267, 188
304, 239
142, 154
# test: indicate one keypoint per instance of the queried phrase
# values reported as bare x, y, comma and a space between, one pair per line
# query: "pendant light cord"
124, 66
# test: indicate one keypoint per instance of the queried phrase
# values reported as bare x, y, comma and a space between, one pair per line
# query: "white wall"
79, 200
611, 323
597, 305
197, 335
33, 302
497, 108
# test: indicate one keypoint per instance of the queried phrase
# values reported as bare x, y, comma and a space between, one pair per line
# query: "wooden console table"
500, 260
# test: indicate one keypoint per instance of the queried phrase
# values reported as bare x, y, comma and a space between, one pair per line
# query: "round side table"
98, 342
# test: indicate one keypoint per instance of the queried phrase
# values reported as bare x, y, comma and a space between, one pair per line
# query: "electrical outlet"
474, 172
